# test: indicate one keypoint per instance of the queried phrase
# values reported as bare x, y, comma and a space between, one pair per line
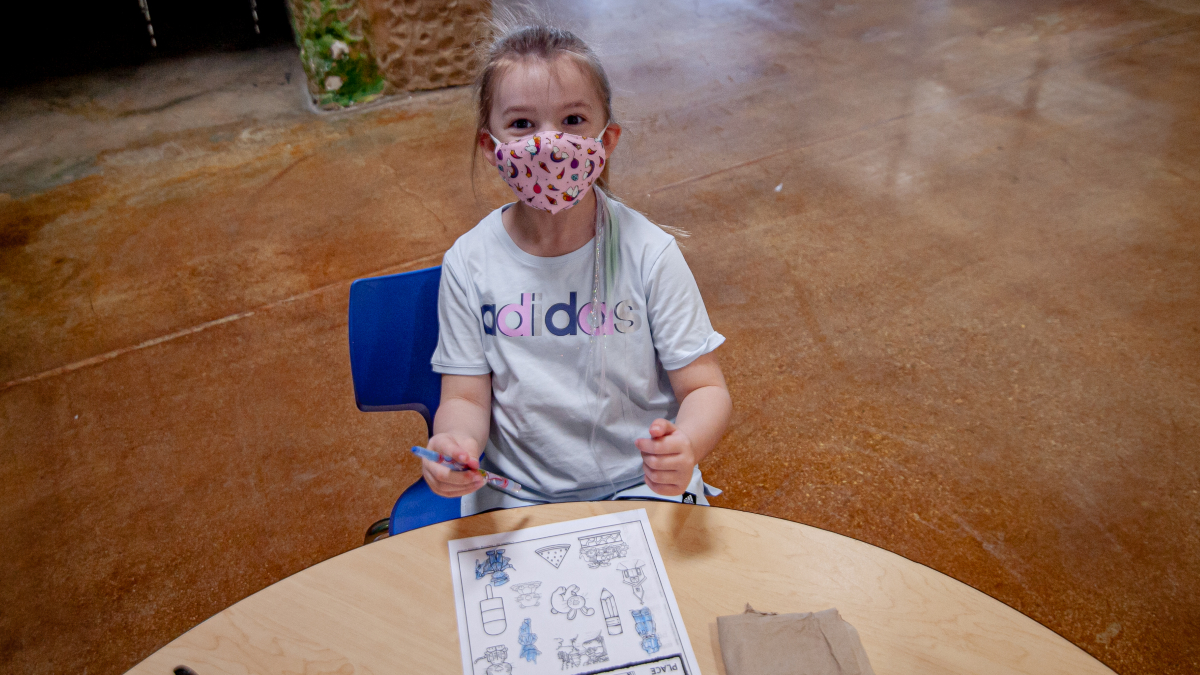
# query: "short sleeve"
460, 330
679, 323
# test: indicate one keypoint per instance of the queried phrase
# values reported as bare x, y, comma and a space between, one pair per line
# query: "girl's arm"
460, 431
672, 450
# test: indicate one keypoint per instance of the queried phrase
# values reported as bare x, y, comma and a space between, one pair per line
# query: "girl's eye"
573, 119
522, 124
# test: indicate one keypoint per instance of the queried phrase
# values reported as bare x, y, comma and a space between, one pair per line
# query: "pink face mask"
551, 170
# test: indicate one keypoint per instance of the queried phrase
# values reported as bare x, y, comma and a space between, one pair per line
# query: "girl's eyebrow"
522, 109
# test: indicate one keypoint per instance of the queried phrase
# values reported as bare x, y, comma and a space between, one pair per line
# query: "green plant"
330, 50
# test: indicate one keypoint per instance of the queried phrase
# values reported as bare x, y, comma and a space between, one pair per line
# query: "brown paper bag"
816, 643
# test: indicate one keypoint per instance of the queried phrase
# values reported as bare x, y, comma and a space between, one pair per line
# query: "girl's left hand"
667, 458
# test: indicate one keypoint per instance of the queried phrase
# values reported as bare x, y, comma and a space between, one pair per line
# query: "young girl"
572, 332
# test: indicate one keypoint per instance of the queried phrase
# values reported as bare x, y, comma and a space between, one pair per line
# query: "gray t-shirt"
524, 319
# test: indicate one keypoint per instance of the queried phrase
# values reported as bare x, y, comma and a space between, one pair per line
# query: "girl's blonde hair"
514, 40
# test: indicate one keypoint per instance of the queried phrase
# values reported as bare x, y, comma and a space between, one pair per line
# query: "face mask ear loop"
612, 252
602, 290
611, 235
612, 275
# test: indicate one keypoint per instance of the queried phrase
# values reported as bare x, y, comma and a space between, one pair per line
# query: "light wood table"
388, 607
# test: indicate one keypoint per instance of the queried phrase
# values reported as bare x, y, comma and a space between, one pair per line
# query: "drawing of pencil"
612, 618
494, 478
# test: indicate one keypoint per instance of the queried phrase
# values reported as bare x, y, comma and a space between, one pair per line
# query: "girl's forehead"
536, 83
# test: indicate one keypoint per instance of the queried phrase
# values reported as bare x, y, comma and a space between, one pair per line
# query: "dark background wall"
77, 36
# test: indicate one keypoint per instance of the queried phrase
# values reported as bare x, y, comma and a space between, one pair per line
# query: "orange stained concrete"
953, 247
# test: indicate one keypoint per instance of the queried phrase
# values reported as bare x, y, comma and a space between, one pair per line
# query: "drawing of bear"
566, 600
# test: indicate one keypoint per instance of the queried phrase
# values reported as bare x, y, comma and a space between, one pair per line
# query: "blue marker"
495, 479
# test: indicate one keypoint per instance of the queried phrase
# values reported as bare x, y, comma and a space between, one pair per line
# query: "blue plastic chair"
393, 332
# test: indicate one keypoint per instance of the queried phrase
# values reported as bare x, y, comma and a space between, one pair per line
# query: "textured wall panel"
427, 44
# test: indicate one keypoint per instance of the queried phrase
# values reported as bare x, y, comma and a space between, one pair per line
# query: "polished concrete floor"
954, 247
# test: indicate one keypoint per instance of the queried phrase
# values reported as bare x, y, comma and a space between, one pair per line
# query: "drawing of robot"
599, 549
527, 595
634, 577
496, 656
495, 566
526, 638
643, 623
566, 600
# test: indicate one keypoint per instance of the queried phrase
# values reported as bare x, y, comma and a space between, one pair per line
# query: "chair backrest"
393, 332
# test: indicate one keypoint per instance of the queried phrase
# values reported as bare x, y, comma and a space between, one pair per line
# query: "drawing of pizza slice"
554, 554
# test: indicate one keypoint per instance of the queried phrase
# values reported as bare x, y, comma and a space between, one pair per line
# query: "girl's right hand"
442, 479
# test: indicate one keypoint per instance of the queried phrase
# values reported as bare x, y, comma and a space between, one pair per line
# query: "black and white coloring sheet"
582, 597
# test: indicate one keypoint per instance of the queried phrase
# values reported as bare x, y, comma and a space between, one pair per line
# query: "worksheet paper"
582, 597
